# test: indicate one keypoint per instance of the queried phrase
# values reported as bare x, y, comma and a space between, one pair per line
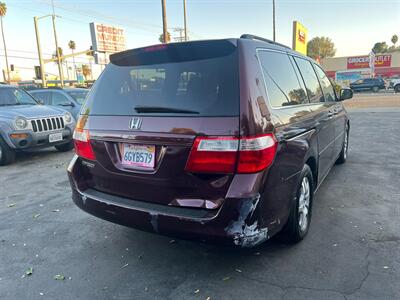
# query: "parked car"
395, 84
26, 125
219, 140
368, 84
71, 99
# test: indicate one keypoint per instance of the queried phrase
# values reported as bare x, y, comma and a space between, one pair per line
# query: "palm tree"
72, 46
394, 39
3, 11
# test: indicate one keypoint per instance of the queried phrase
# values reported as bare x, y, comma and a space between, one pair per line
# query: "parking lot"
352, 250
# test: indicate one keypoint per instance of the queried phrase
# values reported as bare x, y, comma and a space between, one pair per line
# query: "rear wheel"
397, 88
300, 215
375, 89
65, 147
7, 155
345, 148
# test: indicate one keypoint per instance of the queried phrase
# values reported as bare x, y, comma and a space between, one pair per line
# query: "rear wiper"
160, 109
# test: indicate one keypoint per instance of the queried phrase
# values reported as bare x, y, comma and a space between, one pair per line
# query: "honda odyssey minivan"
219, 140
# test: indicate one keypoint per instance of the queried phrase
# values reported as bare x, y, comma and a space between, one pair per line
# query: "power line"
91, 13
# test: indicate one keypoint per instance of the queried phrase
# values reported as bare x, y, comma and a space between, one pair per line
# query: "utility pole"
184, 20
5, 51
42, 73
60, 68
273, 20
164, 19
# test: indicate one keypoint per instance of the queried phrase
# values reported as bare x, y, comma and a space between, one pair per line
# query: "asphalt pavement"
351, 252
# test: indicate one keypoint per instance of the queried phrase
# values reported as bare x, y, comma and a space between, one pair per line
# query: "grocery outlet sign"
107, 38
362, 62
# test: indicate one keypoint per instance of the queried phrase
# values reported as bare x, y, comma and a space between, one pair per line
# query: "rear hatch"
145, 112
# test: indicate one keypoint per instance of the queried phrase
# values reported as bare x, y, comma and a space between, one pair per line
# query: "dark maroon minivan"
220, 140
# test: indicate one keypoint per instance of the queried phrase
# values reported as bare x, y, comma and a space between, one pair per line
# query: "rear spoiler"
174, 52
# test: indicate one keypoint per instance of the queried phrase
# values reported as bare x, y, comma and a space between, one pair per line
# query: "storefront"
348, 69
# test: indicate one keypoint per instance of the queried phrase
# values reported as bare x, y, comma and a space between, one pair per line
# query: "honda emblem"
135, 123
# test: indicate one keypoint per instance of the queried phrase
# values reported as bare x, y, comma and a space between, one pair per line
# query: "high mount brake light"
82, 141
231, 154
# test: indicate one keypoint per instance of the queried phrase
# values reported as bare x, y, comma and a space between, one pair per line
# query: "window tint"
44, 97
197, 87
59, 99
13, 96
284, 88
310, 79
327, 88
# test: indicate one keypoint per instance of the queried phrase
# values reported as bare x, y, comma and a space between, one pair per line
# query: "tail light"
230, 154
82, 140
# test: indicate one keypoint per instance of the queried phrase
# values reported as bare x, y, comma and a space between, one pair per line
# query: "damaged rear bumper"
236, 222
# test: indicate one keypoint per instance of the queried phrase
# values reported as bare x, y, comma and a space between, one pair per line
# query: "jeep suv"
27, 125
220, 140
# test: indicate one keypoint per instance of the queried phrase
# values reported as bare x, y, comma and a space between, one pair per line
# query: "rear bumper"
236, 222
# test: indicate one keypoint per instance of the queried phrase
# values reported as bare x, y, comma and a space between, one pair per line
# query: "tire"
299, 219
397, 88
343, 154
7, 155
375, 89
65, 147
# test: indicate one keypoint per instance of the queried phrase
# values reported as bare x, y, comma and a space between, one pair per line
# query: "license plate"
55, 137
138, 156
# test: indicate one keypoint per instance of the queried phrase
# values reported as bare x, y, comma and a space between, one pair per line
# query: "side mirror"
67, 104
345, 93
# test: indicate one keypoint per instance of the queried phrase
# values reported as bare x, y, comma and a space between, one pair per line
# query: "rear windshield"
193, 79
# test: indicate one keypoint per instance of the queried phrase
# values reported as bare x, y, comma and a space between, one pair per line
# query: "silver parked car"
25, 124
70, 99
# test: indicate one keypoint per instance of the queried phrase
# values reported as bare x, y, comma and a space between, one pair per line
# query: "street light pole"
60, 68
273, 19
5, 51
184, 20
42, 73
164, 19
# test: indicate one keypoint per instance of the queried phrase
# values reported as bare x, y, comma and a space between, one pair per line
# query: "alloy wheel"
346, 143
304, 204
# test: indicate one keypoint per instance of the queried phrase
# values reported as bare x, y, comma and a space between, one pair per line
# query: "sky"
354, 25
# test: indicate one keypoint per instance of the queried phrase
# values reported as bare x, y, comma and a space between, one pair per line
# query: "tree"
86, 71
72, 46
161, 38
321, 47
380, 47
3, 12
394, 39
60, 50
90, 56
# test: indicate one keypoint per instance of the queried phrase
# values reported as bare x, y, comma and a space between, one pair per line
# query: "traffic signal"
12, 68
38, 73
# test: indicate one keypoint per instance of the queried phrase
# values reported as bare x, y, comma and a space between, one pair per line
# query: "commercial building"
351, 68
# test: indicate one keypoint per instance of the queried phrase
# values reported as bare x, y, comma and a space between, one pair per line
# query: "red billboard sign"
107, 38
362, 62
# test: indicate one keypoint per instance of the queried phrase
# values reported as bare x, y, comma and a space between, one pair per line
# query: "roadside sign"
107, 38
